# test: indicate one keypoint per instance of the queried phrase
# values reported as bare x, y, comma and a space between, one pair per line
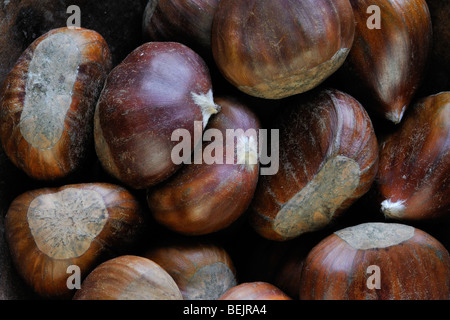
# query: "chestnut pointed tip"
393, 209
396, 116
205, 101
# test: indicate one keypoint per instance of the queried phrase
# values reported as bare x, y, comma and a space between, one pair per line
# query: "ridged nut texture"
413, 179
275, 49
377, 261
328, 157
389, 62
48, 102
50, 229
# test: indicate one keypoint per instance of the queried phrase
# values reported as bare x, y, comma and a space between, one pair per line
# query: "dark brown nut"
49, 230
159, 88
48, 102
328, 159
128, 277
389, 62
202, 270
255, 291
377, 261
413, 177
206, 197
275, 49
188, 22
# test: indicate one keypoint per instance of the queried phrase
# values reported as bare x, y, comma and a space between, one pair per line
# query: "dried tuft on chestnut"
51, 229
209, 196
160, 87
202, 270
48, 101
255, 291
275, 49
328, 159
413, 178
128, 277
389, 60
377, 261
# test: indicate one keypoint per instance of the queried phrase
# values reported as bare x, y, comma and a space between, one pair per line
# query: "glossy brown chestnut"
274, 49
255, 291
389, 62
50, 229
159, 88
202, 271
377, 261
48, 101
188, 22
328, 159
128, 277
207, 197
413, 178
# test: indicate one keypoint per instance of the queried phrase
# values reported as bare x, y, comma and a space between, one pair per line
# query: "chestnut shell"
188, 22
412, 265
388, 64
49, 135
328, 155
275, 49
50, 229
204, 198
145, 99
128, 277
202, 270
257, 290
413, 180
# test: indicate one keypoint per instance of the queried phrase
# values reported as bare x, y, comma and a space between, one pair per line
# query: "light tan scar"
63, 224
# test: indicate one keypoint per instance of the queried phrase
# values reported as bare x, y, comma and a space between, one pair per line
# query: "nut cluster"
338, 95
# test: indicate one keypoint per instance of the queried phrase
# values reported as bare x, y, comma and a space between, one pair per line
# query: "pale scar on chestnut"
314, 206
52, 74
63, 224
215, 280
376, 235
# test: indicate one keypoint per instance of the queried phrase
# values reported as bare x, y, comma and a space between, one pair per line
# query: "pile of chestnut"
357, 208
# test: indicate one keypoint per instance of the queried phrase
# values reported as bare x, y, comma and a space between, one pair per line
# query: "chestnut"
275, 49
413, 177
389, 62
209, 195
257, 290
160, 87
188, 22
202, 270
128, 277
50, 229
377, 261
48, 100
328, 157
